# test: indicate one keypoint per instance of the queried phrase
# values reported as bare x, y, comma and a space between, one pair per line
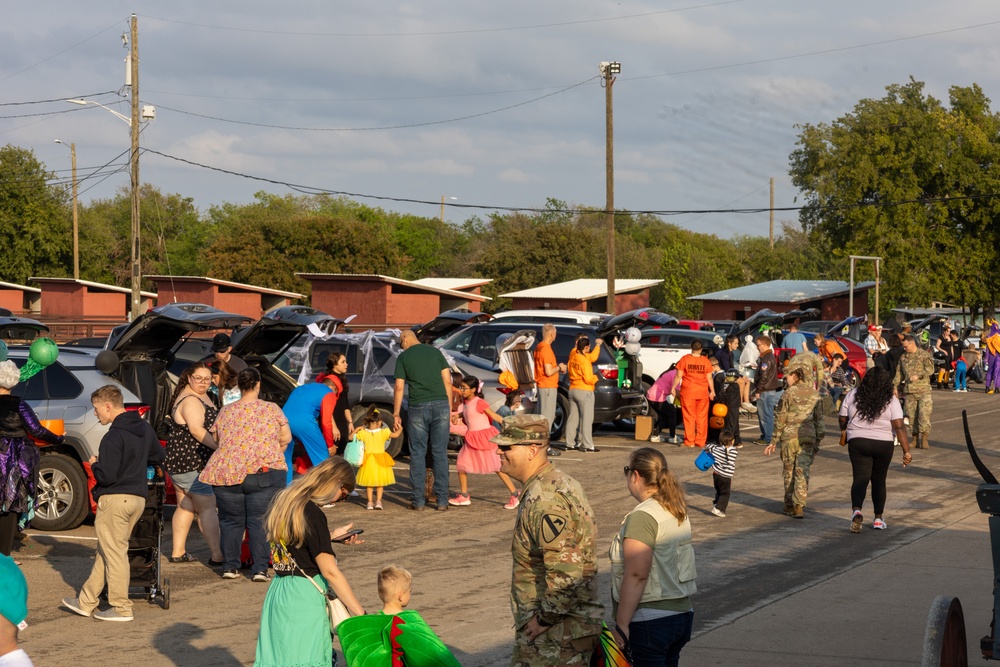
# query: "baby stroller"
144, 546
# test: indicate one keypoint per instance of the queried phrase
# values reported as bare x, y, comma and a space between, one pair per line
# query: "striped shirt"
725, 459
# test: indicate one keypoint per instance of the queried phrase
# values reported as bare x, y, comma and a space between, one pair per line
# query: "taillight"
141, 408
608, 372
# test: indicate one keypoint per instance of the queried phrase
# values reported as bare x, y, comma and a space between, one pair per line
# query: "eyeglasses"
201, 378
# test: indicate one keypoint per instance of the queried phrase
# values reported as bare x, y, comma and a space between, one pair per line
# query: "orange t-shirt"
695, 371
545, 355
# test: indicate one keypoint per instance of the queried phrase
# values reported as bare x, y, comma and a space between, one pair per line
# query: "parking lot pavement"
772, 590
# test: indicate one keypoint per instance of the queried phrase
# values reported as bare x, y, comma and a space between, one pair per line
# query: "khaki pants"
117, 515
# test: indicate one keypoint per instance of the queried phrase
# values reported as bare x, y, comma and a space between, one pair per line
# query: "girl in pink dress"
478, 455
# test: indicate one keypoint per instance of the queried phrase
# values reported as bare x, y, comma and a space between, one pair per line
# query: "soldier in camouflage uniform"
914, 372
798, 429
557, 610
811, 365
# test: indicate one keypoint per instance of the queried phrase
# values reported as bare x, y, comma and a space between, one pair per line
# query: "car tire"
63, 497
394, 446
562, 412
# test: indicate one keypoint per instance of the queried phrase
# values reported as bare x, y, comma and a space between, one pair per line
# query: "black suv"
474, 348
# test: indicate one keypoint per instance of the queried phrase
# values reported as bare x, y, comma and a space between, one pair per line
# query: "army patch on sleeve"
552, 527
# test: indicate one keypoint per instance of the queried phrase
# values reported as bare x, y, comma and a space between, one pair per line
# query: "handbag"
843, 438
336, 611
354, 452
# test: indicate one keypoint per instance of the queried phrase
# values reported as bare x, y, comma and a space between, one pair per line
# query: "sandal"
185, 558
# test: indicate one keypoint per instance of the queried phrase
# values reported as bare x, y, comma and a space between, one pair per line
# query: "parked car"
553, 316
725, 327
474, 349
696, 325
441, 326
661, 348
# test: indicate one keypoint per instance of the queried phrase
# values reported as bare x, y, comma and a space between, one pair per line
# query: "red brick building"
831, 297
584, 294
378, 300
20, 299
249, 300
67, 299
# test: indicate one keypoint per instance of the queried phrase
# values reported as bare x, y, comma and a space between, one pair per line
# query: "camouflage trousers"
797, 458
918, 412
550, 649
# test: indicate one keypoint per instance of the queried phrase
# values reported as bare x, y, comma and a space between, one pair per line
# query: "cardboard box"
643, 427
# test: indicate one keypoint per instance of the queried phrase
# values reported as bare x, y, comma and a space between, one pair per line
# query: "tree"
903, 178
35, 230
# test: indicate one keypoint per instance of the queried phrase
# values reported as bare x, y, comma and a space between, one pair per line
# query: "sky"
489, 105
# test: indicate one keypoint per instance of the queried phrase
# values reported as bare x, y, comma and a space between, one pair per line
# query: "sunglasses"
629, 470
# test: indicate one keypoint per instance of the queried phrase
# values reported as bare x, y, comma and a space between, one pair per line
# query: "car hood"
20, 328
279, 328
837, 328
769, 317
643, 317
157, 331
446, 323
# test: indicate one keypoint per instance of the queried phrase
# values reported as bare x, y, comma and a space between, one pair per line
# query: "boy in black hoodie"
129, 446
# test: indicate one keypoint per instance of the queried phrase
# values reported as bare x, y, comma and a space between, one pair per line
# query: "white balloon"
632, 348
633, 335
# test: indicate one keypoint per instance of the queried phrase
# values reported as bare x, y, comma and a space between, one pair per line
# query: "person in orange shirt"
547, 372
580, 424
694, 376
826, 348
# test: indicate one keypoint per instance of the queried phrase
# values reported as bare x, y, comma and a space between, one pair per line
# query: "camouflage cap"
523, 430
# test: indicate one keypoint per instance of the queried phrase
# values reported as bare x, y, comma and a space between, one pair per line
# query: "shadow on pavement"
174, 642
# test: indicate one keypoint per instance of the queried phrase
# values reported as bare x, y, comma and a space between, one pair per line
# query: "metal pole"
609, 170
442, 209
771, 233
76, 219
877, 280
134, 126
850, 297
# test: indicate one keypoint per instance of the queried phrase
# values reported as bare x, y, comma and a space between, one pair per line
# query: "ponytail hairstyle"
651, 465
373, 416
472, 382
582, 343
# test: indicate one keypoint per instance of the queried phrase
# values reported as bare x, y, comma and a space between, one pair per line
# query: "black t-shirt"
317, 542
952, 349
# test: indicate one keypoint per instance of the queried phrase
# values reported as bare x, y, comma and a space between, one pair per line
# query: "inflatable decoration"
377, 640
42, 353
632, 348
632, 335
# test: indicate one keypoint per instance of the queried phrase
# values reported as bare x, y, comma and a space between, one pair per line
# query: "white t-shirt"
16, 658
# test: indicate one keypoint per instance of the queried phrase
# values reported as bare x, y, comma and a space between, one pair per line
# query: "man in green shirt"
428, 416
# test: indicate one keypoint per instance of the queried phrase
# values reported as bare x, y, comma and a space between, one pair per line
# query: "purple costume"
991, 355
18, 465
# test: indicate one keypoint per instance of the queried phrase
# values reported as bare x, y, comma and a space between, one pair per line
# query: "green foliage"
909, 147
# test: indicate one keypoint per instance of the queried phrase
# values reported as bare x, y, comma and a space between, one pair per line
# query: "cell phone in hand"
348, 535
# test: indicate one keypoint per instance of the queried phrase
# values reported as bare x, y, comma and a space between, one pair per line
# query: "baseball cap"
874, 327
13, 593
523, 430
220, 342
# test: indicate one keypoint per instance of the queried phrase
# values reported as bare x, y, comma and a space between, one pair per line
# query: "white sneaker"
717, 512
749, 407
656, 438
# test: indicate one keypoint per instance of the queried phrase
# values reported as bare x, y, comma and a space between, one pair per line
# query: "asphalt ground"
772, 590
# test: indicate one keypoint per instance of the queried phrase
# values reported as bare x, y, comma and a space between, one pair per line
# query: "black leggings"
666, 417
8, 529
870, 460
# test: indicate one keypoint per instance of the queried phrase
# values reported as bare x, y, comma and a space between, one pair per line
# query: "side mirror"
107, 361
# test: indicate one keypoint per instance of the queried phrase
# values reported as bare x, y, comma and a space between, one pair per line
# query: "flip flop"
185, 558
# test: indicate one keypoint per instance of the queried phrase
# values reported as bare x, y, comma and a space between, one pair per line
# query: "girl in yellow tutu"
375, 472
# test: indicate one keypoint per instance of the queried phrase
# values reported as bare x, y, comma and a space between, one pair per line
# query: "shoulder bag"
336, 610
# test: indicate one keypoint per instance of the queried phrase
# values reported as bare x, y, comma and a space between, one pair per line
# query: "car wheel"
62, 493
559, 423
393, 446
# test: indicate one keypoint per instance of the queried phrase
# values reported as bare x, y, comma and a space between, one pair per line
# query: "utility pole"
76, 217
771, 234
608, 70
134, 126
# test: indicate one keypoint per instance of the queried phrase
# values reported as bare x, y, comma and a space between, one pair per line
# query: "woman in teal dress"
294, 627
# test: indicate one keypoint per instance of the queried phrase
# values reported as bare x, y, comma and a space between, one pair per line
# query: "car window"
34, 388
321, 351
459, 342
564, 344
381, 356
484, 343
60, 383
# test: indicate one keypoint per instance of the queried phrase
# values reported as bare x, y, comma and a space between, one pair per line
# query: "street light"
442, 206
125, 118
76, 225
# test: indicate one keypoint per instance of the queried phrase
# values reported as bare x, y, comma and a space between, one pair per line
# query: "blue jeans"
242, 507
658, 643
427, 426
766, 403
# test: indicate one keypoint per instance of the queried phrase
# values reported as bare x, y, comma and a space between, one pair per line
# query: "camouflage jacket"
918, 363
799, 416
555, 565
811, 365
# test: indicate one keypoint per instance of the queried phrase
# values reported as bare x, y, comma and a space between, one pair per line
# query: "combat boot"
798, 513
789, 510
921, 439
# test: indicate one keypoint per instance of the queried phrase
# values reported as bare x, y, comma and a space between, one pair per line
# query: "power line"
387, 127
436, 33
42, 113
54, 55
307, 189
58, 99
